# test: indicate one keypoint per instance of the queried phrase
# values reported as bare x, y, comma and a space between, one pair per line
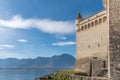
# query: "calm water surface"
24, 74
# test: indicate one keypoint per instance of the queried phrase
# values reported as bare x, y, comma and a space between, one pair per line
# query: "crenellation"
91, 21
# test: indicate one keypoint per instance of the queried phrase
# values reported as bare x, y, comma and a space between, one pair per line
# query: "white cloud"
6, 46
45, 25
63, 43
22, 40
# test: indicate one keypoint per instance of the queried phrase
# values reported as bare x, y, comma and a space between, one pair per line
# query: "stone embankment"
76, 77
69, 75
60, 75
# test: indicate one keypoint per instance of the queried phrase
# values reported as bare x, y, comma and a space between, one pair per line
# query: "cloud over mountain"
64, 43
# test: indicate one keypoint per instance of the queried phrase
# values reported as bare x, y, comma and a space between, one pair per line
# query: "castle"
98, 43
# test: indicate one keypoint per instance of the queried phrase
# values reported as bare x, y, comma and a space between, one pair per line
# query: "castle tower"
78, 20
114, 39
98, 42
79, 17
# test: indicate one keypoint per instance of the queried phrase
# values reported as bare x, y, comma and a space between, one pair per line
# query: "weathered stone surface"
85, 67
114, 19
99, 36
92, 41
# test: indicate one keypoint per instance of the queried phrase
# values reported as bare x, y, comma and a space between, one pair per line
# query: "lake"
24, 74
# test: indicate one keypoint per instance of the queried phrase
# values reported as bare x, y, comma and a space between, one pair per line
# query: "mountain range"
57, 61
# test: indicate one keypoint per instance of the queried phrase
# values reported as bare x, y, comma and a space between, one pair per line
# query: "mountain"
60, 61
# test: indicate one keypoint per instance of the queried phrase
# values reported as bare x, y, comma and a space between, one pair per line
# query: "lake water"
23, 74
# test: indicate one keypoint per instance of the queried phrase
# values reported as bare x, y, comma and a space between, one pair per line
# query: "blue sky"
32, 28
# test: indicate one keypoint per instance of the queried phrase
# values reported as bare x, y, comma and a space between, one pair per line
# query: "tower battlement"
91, 21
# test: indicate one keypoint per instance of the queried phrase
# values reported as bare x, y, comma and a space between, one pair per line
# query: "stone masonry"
92, 44
114, 39
98, 42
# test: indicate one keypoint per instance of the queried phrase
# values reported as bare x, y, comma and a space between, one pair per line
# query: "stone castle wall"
99, 36
88, 78
92, 40
92, 36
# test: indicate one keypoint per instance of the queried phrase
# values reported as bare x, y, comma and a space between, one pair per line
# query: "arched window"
96, 22
100, 21
104, 19
85, 26
82, 28
92, 24
89, 25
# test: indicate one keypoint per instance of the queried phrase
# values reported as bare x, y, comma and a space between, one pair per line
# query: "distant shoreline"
29, 68
35, 68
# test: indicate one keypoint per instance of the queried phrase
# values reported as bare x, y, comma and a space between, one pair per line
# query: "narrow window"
96, 23
104, 64
82, 28
89, 25
92, 24
100, 21
85, 26
98, 45
88, 46
104, 19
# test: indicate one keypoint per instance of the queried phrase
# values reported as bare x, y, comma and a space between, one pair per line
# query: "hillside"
60, 61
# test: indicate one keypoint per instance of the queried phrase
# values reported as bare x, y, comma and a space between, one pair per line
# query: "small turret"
78, 20
79, 17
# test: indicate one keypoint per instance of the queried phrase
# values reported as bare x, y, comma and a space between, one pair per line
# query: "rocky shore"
60, 75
